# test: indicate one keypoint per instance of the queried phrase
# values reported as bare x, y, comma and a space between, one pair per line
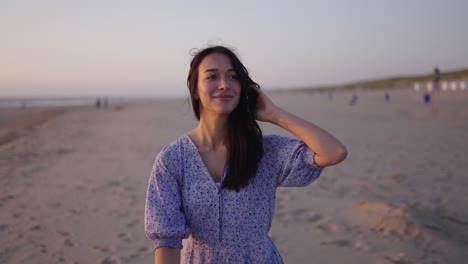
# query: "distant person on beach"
98, 103
354, 99
387, 97
216, 184
427, 98
435, 92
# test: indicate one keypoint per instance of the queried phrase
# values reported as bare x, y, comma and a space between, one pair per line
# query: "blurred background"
91, 91
142, 48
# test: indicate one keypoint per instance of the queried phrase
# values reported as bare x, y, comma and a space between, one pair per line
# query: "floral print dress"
186, 209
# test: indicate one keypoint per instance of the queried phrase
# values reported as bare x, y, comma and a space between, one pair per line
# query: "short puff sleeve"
296, 162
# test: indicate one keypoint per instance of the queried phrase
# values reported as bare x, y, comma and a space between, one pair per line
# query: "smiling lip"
223, 97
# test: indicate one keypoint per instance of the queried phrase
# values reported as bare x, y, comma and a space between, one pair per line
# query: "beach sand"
72, 189
16, 123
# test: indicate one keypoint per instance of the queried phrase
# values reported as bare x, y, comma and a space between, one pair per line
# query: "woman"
216, 184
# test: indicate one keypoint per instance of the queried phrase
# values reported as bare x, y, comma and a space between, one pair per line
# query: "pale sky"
104, 47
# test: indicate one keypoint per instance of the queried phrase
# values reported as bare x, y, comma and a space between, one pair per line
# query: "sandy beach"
73, 186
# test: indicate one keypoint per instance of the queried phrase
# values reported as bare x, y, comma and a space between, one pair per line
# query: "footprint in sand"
101, 249
16, 215
314, 218
55, 204
298, 212
396, 178
110, 260
124, 236
113, 183
36, 228
327, 228
64, 233
340, 242
3, 227
5, 199
76, 211
281, 217
43, 248
324, 187
60, 151
455, 220
133, 223
68, 243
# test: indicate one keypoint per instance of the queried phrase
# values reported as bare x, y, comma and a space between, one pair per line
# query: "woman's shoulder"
173, 150
275, 139
278, 143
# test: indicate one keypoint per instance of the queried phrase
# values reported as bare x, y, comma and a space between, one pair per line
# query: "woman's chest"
215, 163
204, 201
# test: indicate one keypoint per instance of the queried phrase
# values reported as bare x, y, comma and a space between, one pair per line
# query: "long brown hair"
244, 137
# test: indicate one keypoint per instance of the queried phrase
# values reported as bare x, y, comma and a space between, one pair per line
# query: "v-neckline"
200, 159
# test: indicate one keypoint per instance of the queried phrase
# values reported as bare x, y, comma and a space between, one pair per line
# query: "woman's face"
218, 87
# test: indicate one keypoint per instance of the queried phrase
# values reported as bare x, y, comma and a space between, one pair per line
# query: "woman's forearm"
165, 255
328, 150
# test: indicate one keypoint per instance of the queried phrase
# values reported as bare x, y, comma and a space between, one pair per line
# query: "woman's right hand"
266, 109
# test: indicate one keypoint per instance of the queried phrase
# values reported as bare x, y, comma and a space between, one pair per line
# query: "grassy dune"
387, 83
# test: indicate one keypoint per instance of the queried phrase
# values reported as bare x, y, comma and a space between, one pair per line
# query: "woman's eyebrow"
215, 70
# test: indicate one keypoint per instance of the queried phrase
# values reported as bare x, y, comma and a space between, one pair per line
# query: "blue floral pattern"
186, 209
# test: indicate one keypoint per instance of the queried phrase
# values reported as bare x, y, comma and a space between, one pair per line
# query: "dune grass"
389, 83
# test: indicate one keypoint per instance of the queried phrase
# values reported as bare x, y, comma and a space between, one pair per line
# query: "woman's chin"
220, 109
224, 110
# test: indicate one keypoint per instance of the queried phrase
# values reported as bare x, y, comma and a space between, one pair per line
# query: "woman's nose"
224, 83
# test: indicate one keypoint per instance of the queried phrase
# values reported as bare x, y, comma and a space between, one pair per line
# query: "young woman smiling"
215, 186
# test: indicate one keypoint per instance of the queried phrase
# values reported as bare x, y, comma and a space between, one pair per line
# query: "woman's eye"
211, 77
234, 77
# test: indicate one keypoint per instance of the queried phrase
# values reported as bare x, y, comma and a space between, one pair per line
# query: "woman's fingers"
256, 87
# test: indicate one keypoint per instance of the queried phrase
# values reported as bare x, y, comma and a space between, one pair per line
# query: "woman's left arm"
328, 150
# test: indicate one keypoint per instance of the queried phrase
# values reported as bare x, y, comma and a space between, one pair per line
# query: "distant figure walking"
436, 78
387, 97
427, 98
354, 99
98, 103
435, 92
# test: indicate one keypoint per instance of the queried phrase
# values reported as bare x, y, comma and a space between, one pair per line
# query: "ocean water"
28, 102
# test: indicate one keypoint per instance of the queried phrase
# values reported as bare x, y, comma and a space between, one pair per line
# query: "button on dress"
186, 209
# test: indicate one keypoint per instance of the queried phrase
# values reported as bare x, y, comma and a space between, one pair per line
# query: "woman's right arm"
165, 222
166, 255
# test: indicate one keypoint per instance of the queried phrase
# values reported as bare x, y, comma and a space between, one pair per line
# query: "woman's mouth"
223, 97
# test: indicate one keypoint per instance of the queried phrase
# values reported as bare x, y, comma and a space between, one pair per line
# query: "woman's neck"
211, 133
